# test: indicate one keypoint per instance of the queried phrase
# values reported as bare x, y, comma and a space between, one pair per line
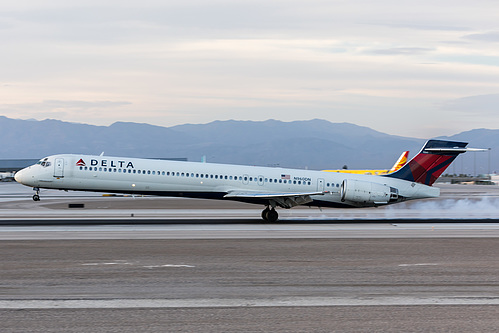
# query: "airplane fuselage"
217, 181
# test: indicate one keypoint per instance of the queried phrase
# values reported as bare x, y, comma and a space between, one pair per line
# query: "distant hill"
313, 144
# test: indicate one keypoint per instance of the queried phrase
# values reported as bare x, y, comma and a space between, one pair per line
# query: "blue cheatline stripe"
404, 173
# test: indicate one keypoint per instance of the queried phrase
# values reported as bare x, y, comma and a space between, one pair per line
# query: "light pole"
474, 164
489, 161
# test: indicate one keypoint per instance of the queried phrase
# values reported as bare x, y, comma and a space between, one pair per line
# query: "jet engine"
367, 193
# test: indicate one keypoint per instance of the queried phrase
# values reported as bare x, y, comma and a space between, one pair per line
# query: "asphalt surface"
226, 272
251, 285
193, 229
457, 202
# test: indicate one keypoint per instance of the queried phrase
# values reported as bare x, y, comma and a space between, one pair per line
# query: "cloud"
402, 51
426, 26
196, 61
56, 104
63, 110
83, 104
480, 104
475, 59
484, 37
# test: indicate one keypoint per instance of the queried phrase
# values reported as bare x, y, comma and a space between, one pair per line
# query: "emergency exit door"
320, 185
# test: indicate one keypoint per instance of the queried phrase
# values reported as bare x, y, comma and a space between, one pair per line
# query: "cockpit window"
44, 163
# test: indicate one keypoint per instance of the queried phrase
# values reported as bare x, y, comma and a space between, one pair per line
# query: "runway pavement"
209, 266
256, 230
461, 202
250, 285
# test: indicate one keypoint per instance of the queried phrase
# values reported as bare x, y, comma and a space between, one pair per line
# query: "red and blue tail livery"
431, 161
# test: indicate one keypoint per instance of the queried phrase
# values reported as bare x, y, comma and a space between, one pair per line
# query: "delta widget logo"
80, 163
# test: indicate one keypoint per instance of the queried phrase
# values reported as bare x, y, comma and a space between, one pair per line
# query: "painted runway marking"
224, 303
168, 265
127, 263
118, 262
408, 265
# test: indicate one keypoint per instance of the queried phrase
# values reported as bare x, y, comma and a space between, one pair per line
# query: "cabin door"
59, 167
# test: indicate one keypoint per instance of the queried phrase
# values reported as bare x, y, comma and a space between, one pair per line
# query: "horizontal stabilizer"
454, 150
431, 162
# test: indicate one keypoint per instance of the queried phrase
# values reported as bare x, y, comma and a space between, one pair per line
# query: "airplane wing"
281, 199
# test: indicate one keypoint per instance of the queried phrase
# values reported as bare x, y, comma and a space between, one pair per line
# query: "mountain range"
313, 144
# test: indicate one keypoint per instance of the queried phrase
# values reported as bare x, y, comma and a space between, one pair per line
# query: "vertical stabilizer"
430, 162
400, 162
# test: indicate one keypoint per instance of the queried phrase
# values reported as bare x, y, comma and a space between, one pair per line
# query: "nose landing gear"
36, 196
270, 215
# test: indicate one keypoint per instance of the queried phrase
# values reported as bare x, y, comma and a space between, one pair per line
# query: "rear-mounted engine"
367, 193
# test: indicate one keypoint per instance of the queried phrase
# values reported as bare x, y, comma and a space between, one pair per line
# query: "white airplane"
271, 187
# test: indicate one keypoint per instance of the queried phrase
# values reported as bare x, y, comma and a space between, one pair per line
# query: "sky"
412, 68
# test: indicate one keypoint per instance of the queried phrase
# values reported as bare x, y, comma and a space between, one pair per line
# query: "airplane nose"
19, 176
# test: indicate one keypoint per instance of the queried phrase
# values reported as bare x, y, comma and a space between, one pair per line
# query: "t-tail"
431, 162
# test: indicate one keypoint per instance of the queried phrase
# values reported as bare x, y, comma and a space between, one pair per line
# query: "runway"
457, 202
66, 230
190, 266
279, 285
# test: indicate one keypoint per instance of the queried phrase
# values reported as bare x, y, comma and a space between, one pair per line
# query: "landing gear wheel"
36, 196
264, 213
271, 216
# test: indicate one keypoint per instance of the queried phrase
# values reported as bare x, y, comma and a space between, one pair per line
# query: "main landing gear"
270, 215
36, 196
